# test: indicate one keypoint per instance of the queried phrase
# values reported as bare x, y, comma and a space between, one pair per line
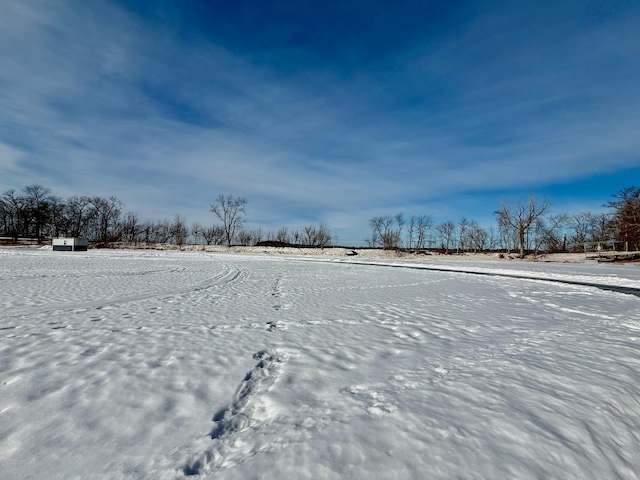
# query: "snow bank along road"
169, 365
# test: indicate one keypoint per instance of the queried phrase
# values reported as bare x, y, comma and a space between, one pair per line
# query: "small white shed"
70, 244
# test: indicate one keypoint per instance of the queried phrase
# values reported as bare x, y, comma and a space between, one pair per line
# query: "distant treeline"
521, 226
35, 213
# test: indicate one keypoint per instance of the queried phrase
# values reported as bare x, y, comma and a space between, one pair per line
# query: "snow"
163, 365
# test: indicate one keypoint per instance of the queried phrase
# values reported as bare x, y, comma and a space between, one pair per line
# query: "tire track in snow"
223, 278
602, 286
233, 434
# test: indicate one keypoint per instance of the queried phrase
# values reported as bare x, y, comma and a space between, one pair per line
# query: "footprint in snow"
375, 403
236, 424
273, 326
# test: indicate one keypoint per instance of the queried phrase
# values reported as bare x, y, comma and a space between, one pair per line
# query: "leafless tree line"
521, 226
311, 235
37, 214
420, 233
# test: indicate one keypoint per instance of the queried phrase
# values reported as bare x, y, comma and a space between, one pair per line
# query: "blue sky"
322, 111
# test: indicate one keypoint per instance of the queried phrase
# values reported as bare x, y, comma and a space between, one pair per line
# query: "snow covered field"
161, 365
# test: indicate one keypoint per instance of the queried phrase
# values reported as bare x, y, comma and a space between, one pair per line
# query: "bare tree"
179, 230
386, 231
604, 228
79, 214
424, 223
283, 235
13, 208
196, 231
581, 228
521, 216
507, 233
130, 228
548, 234
411, 232
399, 218
446, 231
257, 236
37, 206
627, 216
323, 235
230, 210
57, 223
107, 216
145, 232
310, 235
491, 242
244, 237
476, 237
161, 231
316, 236
213, 235
462, 234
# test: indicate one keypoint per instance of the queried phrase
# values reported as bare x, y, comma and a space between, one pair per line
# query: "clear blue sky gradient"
322, 111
